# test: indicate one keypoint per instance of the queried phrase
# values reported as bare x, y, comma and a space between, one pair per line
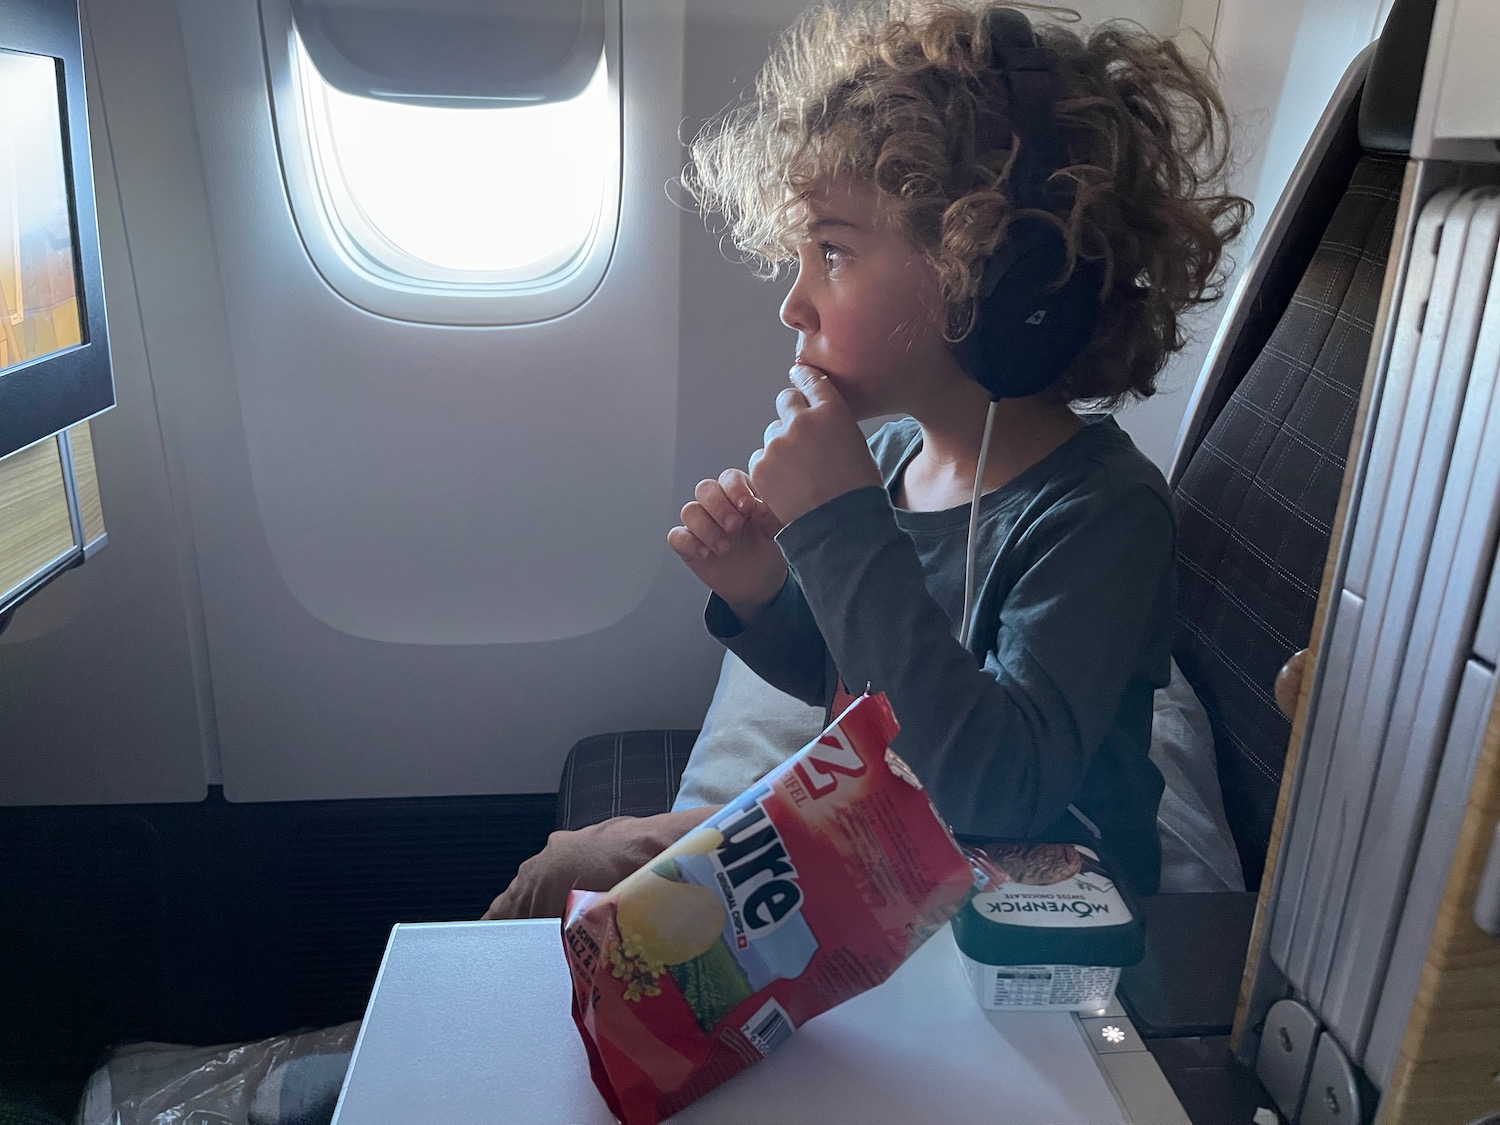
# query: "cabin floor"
1212, 1085
32, 1102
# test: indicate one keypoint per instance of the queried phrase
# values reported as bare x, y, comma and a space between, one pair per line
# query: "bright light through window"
488, 195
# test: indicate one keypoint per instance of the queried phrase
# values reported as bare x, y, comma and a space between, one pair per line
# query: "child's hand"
814, 451
727, 540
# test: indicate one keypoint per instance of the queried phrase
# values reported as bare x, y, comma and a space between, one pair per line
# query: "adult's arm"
590, 859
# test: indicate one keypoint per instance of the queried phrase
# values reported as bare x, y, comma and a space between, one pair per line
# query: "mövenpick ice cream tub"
1050, 931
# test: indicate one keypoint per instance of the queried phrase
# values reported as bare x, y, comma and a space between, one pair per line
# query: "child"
901, 155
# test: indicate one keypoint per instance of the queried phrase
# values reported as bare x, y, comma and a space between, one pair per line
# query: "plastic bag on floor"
165, 1084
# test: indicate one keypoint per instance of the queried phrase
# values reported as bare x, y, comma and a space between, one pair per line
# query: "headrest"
1388, 106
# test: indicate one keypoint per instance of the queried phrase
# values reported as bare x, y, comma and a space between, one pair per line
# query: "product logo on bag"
832, 756
755, 876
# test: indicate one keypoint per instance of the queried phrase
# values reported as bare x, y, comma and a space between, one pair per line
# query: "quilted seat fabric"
628, 773
1255, 505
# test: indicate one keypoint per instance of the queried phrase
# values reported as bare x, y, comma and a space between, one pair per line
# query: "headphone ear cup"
1027, 332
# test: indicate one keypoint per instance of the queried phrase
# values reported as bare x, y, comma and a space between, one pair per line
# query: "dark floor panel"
27, 1102
1212, 1086
221, 922
79, 909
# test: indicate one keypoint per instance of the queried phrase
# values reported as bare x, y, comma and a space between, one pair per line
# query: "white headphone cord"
984, 452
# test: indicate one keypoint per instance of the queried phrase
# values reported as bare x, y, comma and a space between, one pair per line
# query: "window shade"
454, 52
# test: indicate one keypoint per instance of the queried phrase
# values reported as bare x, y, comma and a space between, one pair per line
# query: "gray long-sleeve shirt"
1073, 619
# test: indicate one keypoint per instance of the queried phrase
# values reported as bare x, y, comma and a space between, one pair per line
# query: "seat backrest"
1255, 505
1260, 461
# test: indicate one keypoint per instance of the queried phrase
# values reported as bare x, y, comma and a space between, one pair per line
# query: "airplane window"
514, 190
485, 215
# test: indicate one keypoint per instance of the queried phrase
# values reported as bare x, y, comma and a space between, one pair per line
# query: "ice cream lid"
1048, 904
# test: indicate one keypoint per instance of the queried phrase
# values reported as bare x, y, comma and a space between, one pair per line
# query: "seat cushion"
1197, 848
1255, 505
749, 730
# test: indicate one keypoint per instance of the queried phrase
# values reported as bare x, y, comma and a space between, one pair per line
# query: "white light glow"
513, 191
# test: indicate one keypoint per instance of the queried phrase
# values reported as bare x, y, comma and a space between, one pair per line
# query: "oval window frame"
435, 295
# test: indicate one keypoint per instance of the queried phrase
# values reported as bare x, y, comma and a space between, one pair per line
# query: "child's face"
866, 305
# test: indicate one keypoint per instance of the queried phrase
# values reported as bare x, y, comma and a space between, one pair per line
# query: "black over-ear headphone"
1027, 329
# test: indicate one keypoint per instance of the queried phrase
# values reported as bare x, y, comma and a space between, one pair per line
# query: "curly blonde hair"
902, 95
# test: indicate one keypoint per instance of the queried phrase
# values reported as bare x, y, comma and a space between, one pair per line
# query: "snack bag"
810, 887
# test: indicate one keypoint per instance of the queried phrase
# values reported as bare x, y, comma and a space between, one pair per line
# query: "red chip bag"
810, 887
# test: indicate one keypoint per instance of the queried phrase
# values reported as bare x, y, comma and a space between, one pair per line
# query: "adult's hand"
591, 859
1289, 683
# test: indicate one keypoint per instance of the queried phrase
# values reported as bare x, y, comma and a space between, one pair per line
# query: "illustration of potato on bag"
810, 887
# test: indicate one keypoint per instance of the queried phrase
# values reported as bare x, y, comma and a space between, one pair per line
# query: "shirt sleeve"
783, 645
1003, 746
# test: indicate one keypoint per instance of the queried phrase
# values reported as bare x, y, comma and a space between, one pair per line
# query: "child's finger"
688, 547
696, 518
719, 506
814, 385
736, 486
